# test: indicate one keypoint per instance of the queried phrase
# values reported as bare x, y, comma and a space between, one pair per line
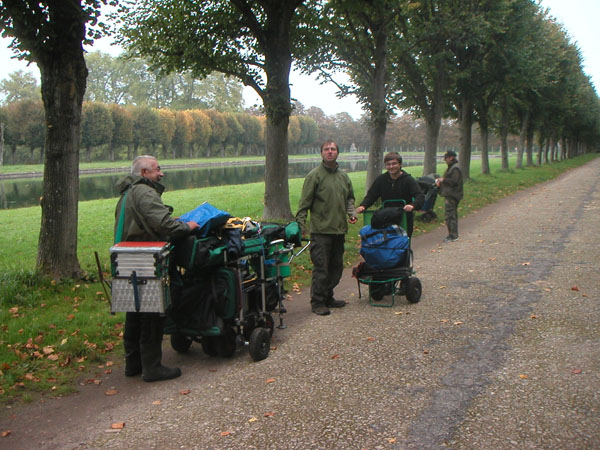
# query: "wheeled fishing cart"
388, 258
227, 301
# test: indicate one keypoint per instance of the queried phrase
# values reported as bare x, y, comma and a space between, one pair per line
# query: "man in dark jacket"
145, 218
451, 188
395, 184
327, 193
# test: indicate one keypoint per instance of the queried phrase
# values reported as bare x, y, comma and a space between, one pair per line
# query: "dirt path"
502, 352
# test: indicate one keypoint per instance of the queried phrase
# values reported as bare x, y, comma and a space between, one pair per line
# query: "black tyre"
181, 343
413, 289
260, 344
209, 345
226, 343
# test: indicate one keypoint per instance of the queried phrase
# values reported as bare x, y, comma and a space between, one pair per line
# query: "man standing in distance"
142, 216
327, 193
451, 188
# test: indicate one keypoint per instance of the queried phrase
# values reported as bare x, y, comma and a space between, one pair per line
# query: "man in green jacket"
145, 218
327, 193
451, 188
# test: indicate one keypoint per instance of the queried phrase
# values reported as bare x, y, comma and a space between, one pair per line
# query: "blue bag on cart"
383, 248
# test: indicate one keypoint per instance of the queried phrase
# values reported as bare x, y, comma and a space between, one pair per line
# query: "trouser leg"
131, 344
451, 207
327, 256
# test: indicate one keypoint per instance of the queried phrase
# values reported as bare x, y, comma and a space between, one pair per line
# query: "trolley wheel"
209, 345
181, 343
260, 344
226, 345
413, 289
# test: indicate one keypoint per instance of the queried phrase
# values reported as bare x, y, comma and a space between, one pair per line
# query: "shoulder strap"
120, 223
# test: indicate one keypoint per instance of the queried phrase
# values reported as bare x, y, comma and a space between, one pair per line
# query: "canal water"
19, 193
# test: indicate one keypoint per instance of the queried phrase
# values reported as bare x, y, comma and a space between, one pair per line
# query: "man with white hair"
145, 218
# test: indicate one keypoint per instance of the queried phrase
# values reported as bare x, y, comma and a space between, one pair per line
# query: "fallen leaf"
336, 356
526, 263
156, 402
426, 352
370, 339
225, 433
574, 288
458, 322
576, 371
442, 287
5, 433
523, 376
48, 350
270, 380
118, 425
185, 391
391, 440
111, 392
252, 419
399, 313
268, 414
533, 316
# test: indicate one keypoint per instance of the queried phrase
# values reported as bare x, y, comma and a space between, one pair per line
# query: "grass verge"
53, 334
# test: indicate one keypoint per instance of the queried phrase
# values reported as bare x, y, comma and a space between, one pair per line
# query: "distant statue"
353, 148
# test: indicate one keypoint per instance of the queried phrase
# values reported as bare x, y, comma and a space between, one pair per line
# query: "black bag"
195, 307
193, 253
383, 218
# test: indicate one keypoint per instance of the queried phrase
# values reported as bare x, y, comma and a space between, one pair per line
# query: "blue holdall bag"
383, 248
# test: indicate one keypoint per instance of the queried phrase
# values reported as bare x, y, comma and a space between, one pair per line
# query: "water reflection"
20, 193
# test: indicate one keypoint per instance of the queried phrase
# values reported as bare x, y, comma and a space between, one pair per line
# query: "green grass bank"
54, 333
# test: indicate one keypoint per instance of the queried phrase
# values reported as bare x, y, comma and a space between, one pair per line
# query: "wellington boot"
152, 369
133, 359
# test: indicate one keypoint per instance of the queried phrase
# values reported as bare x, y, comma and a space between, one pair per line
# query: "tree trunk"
63, 76
1, 144
379, 110
465, 111
276, 100
530, 144
522, 137
504, 133
485, 158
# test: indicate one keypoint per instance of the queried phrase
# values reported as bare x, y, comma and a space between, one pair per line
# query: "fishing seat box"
140, 272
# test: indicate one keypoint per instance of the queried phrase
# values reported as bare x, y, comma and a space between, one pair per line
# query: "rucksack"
383, 248
383, 218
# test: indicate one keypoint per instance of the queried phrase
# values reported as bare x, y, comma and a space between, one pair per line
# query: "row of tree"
494, 62
116, 132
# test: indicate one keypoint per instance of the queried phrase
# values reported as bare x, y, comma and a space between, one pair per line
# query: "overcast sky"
579, 18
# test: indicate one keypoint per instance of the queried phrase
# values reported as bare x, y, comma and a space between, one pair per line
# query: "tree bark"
278, 108
63, 76
522, 137
465, 120
504, 133
379, 109
530, 144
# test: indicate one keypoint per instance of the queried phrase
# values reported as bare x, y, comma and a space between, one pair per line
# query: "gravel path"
502, 352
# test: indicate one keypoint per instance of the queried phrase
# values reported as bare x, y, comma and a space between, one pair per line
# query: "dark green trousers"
451, 206
327, 256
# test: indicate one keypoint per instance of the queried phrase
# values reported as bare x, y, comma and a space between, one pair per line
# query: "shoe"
451, 238
333, 303
321, 310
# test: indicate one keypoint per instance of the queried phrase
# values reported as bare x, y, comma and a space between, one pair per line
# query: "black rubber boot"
131, 344
151, 350
133, 358
153, 370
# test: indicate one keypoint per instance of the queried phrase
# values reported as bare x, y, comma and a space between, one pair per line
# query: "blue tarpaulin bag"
207, 217
383, 248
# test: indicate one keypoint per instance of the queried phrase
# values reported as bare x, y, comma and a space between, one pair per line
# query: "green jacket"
146, 217
452, 186
328, 195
